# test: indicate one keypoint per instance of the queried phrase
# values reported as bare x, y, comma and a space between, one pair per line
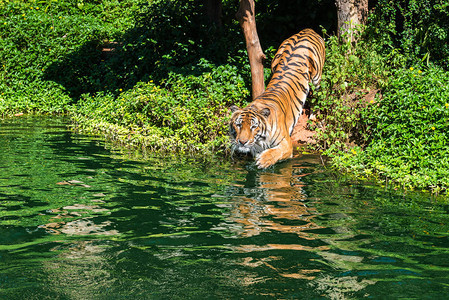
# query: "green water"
79, 220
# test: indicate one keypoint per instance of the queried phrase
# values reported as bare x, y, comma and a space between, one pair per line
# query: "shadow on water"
83, 221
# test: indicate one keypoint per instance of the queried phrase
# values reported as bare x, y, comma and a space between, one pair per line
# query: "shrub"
36, 34
187, 112
352, 73
419, 29
409, 130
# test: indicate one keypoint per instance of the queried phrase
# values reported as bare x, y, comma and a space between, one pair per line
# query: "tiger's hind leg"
316, 83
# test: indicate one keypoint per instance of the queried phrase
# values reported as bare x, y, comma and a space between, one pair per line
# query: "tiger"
263, 128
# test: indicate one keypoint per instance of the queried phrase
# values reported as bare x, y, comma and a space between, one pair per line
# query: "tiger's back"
266, 123
305, 45
298, 61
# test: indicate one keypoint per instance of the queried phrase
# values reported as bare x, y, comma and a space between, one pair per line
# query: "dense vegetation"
407, 132
159, 74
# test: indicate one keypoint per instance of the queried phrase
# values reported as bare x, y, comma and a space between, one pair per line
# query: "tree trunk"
351, 13
247, 19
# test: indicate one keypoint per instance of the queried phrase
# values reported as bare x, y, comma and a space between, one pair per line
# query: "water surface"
80, 220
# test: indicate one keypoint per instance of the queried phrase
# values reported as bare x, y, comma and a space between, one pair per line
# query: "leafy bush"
52, 57
409, 130
36, 34
187, 112
352, 72
377, 119
419, 29
166, 36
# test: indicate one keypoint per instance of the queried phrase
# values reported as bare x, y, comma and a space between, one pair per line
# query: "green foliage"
352, 72
418, 29
53, 55
187, 112
35, 34
166, 36
409, 131
31, 97
377, 119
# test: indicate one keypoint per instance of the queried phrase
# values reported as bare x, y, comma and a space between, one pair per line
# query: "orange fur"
263, 128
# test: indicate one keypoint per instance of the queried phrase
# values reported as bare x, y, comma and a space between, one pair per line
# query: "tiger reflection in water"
278, 204
282, 207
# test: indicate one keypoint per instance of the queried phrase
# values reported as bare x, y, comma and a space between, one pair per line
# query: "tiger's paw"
266, 159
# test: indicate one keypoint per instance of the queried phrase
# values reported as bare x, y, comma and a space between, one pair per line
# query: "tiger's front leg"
271, 156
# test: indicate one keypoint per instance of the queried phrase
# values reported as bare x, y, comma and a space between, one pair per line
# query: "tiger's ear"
265, 112
234, 108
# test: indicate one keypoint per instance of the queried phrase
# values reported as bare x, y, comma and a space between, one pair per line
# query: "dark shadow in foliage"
81, 71
173, 36
168, 35
419, 29
278, 20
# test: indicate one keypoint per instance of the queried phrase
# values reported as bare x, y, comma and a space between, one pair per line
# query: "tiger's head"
249, 129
